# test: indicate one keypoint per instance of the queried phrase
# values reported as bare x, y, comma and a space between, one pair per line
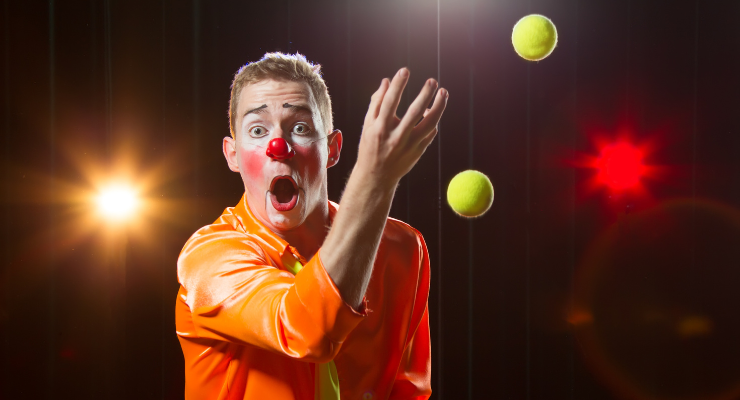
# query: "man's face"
281, 193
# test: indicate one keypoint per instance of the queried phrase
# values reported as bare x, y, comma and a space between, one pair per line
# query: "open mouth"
283, 193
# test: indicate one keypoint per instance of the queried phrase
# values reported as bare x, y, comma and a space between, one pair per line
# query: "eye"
257, 131
300, 129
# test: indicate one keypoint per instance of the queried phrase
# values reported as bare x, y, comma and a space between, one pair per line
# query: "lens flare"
117, 202
620, 166
654, 303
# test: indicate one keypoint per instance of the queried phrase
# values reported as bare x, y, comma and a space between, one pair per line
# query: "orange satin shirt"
249, 329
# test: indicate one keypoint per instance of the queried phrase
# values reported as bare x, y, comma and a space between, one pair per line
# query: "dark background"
564, 290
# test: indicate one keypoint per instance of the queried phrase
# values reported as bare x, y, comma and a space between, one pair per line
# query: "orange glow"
579, 318
84, 172
694, 326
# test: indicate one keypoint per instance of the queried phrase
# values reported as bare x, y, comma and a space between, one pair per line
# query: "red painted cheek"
252, 165
310, 156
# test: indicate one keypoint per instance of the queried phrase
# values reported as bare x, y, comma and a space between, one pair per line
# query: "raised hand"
391, 146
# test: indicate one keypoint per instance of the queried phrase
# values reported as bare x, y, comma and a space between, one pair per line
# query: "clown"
288, 295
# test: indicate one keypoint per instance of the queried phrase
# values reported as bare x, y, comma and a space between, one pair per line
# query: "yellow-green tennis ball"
534, 37
470, 193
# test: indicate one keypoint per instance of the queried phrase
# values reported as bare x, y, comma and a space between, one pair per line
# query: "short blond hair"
290, 67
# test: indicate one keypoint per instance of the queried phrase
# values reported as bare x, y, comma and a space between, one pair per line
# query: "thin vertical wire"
694, 136
51, 334
163, 139
627, 61
349, 64
196, 98
349, 61
471, 130
694, 142
572, 227
695, 93
440, 347
6, 213
110, 332
527, 244
527, 260
290, 43
406, 94
108, 80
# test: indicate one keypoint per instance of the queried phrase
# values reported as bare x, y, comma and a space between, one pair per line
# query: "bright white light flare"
117, 202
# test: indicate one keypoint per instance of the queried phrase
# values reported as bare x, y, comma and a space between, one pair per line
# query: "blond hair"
279, 66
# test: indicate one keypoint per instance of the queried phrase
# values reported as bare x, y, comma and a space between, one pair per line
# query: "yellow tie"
326, 383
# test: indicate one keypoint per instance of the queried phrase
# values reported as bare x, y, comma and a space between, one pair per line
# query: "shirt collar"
252, 225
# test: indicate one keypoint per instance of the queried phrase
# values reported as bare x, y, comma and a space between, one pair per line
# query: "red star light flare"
620, 166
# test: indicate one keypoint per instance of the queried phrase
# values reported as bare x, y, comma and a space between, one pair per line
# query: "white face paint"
281, 193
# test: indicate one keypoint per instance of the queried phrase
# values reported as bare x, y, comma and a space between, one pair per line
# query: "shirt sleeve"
414, 377
235, 294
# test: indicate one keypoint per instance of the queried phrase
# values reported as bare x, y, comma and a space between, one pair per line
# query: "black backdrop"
140, 89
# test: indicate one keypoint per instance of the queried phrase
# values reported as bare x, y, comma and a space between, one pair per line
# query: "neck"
309, 236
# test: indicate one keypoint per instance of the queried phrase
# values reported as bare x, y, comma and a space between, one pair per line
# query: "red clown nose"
279, 149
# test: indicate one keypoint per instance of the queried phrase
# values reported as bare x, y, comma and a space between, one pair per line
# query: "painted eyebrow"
298, 107
255, 110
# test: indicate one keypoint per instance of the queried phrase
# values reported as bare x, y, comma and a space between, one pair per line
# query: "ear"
334, 141
230, 153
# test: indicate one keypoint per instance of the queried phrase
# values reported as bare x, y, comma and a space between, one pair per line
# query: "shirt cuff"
362, 310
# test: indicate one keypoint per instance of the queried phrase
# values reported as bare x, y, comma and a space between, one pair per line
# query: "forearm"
349, 250
389, 148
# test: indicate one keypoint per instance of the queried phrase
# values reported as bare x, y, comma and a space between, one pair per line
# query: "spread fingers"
393, 95
432, 116
417, 108
375, 101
